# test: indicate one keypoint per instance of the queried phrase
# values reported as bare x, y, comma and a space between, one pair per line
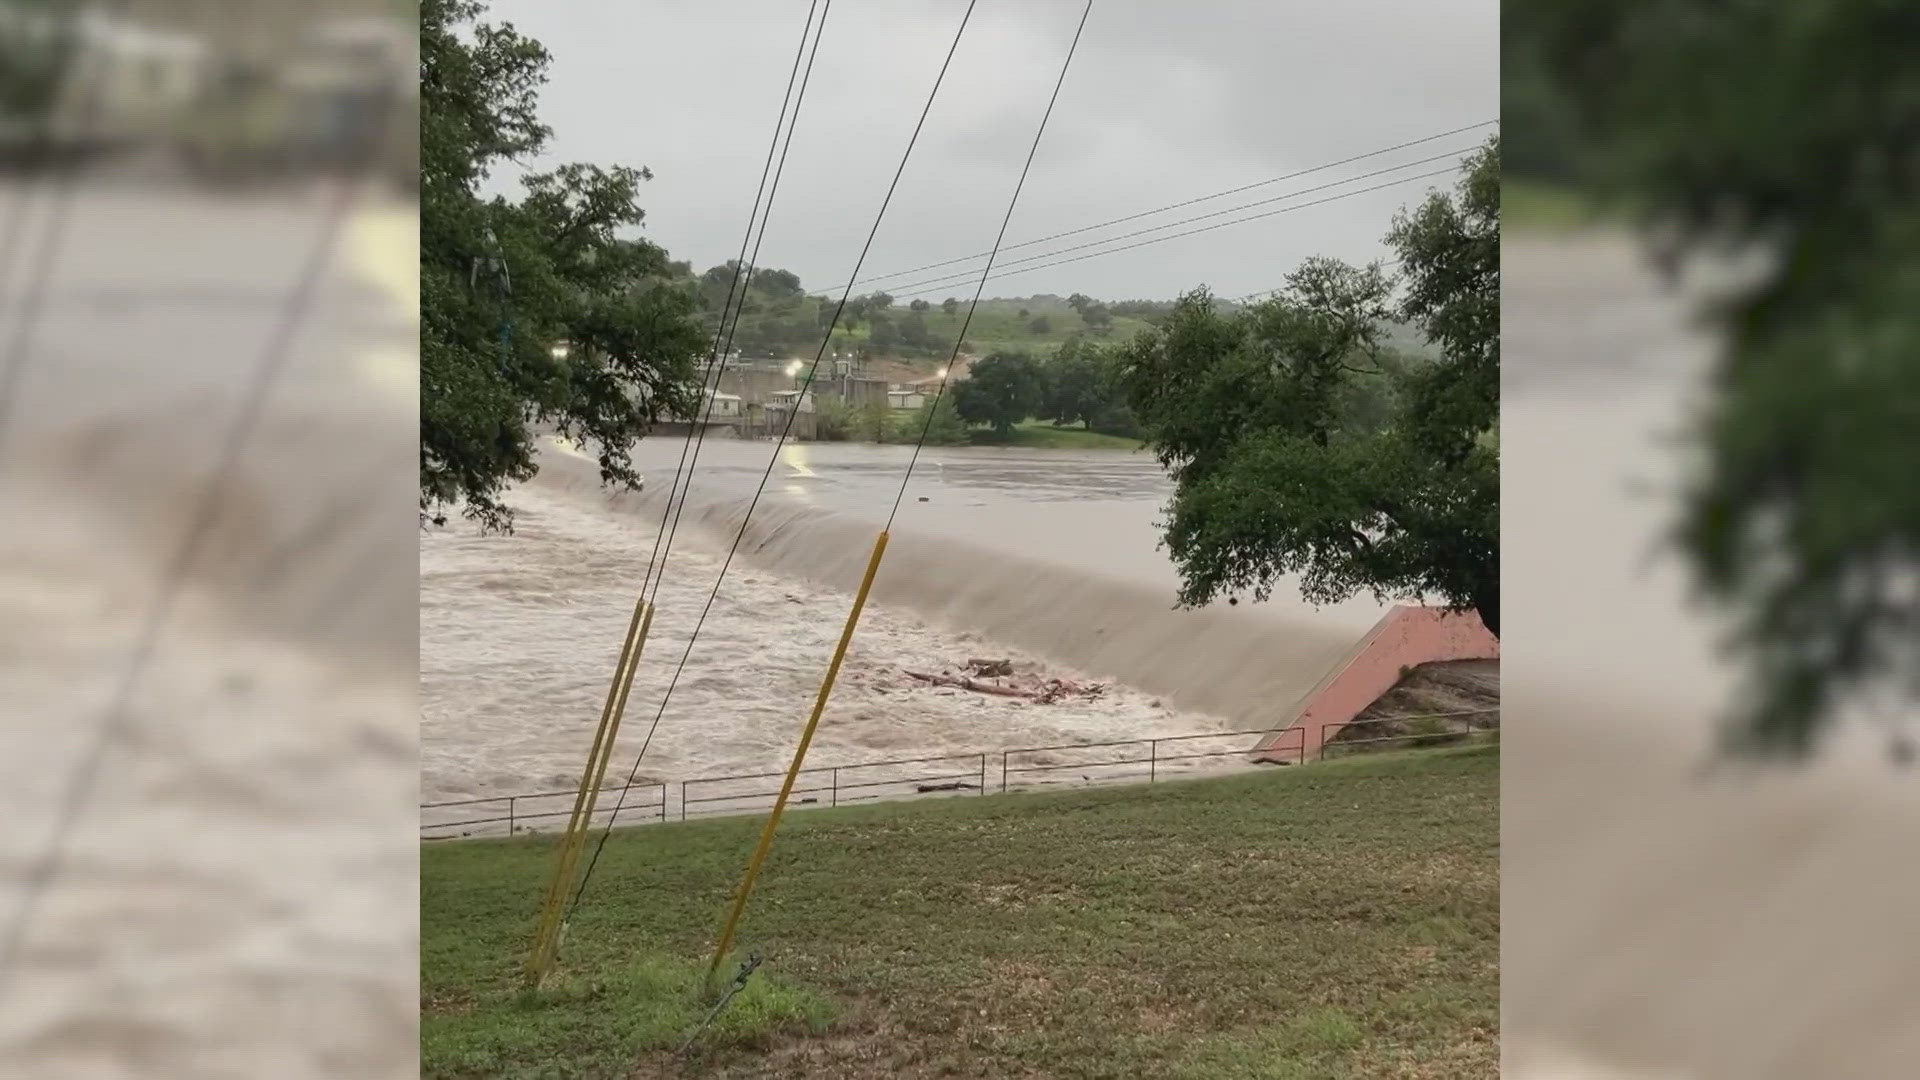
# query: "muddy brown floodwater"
232, 897
1048, 559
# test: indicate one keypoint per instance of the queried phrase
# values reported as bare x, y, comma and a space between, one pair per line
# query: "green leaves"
537, 310
943, 428
1790, 126
1303, 446
1080, 386
1001, 390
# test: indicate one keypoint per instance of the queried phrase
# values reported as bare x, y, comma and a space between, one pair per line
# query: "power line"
10, 237
273, 360
26, 318
946, 280
1206, 228
723, 340
604, 739
986, 272
711, 397
1189, 202
772, 825
773, 458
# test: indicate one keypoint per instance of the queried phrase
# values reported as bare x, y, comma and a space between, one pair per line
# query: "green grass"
997, 326
1041, 434
587, 1022
1334, 921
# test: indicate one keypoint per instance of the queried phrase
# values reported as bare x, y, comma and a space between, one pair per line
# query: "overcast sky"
1166, 101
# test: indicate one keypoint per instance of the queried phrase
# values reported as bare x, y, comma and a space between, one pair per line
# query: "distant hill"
1032, 324
782, 320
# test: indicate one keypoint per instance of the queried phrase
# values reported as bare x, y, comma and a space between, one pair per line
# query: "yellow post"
579, 841
619, 713
542, 956
793, 770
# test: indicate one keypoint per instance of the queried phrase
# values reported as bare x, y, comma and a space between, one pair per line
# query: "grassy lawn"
997, 326
1041, 434
1328, 921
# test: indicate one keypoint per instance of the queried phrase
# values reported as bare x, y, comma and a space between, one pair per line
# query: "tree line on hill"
1078, 384
779, 317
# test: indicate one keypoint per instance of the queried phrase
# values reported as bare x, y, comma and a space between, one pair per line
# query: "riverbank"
1337, 920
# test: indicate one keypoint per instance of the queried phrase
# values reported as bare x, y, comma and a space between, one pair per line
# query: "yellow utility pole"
546, 934
793, 771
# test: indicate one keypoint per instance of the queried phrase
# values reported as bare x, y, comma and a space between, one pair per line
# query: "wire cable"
739, 283
1189, 202
11, 238
710, 377
948, 280
947, 371
1210, 228
773, 458
273, 360
711, 398
26, 317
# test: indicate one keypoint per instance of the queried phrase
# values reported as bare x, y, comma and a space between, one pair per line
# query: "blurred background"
208, 643
208, 392
219, 93
1710, 379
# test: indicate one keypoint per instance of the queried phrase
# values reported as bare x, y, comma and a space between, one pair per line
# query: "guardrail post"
1003, 772
511, 799
834, 799
1153, 760
683, 800
983, 774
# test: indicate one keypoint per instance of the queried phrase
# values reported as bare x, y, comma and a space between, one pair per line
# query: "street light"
793, 369
559, 352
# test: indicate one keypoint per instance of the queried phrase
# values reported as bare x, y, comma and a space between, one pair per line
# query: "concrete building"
721, 406
756, 382
790, 399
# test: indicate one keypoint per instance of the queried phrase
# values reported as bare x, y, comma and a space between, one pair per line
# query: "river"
1048, 558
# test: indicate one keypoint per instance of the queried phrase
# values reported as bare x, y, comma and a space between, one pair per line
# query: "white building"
724, 406
784, 400
716, 408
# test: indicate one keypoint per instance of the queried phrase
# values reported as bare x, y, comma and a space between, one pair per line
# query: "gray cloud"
1165, 102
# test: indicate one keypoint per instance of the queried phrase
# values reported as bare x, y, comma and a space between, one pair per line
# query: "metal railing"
1117, 761
838, 784
517, 820
1154, 760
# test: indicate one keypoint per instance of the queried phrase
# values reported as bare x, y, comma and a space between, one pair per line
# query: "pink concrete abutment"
1406, 637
